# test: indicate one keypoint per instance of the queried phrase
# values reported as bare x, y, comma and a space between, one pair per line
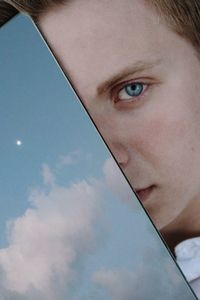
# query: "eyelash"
119, 88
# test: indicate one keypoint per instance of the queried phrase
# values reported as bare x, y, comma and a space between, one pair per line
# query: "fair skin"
140, 82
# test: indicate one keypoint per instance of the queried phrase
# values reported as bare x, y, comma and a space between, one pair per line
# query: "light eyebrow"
137, 67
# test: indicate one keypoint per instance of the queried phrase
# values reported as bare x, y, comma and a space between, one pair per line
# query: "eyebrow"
137, 67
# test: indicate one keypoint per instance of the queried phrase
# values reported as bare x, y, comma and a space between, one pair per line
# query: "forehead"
95, 39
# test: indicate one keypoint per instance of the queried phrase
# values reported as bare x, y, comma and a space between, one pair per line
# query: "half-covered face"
140, 82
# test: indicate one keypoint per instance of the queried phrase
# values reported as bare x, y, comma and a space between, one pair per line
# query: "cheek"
168, 124
165, 138
112, 126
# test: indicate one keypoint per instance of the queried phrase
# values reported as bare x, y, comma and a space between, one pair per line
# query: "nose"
120, 153
114, 136
115, 140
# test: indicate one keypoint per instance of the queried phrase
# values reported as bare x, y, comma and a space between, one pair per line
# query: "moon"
18, 143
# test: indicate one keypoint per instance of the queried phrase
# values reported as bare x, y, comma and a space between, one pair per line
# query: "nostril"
122, 164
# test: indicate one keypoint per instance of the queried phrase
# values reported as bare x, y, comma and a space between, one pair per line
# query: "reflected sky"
70, 226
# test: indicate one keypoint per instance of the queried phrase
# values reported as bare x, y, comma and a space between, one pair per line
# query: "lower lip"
145, 193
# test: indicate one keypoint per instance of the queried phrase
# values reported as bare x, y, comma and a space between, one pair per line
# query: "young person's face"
140, 82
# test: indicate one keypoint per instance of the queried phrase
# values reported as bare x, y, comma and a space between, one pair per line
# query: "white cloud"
69, 159
155, 278
48, 176
46, 243
48, 240
116, 181
119, 283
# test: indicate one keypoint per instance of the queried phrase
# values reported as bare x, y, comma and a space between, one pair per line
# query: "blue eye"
131, 90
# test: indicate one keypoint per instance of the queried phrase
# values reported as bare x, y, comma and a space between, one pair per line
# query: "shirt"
188, 258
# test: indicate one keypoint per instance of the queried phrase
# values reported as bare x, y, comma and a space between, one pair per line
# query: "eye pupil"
134, 89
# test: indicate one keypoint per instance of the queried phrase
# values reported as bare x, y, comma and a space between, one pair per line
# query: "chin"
161, 223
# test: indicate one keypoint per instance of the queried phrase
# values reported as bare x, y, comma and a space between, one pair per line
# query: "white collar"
188, 258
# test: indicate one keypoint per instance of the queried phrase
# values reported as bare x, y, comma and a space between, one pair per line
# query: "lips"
144, 194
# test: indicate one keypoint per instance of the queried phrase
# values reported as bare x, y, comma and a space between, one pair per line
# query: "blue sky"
62, 221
